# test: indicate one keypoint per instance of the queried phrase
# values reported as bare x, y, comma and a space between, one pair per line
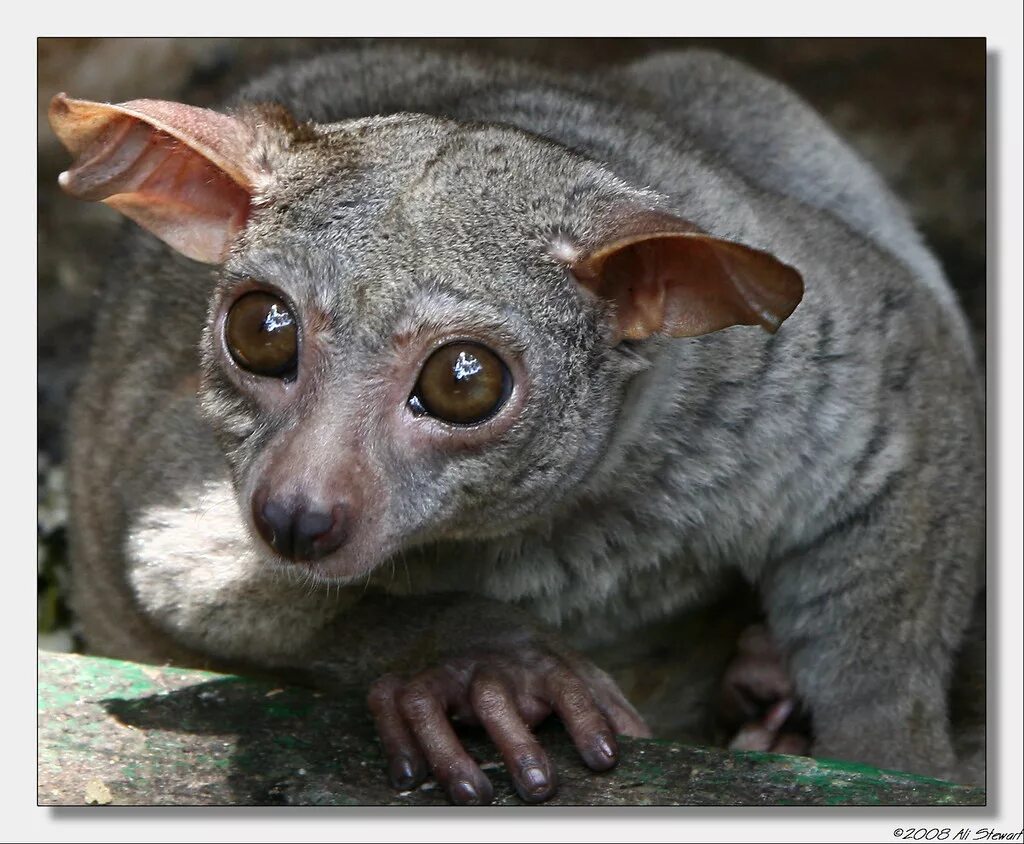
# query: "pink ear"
678, 280
183, 173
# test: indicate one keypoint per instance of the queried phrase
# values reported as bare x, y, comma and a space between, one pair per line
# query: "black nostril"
310, 527
274, 522
299, 531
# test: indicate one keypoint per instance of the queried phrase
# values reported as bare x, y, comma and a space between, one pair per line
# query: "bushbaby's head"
416, 330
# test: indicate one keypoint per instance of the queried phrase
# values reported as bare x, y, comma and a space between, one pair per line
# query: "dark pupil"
462, 383
261, 334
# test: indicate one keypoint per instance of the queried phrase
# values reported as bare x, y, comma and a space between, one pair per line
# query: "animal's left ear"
675, 279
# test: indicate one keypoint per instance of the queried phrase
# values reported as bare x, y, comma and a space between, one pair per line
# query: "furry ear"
186, 174
671, 277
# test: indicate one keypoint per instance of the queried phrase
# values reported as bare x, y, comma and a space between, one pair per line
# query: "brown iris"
462, 383
261, 334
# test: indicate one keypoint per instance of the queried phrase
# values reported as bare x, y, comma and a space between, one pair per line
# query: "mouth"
321, 572
342, 567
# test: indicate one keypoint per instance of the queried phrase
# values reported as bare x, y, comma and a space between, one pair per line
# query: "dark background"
915, 108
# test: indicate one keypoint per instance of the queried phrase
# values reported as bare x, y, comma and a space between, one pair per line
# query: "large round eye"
462, 383
261, 334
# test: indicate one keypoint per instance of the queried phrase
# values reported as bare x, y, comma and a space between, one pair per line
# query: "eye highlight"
261, 335
462, 383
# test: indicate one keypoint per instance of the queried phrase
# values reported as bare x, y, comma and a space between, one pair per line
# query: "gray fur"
836, 466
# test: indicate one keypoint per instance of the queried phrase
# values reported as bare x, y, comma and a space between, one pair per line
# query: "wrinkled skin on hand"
506, 690
758, 699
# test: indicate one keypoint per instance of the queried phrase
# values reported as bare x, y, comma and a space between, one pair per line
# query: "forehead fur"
425, 176
365, 215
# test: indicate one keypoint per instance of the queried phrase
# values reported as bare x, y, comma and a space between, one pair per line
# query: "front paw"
507, 694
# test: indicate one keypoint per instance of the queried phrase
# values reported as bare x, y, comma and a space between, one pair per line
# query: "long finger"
753, 736
495, 707
407, 767
423, 703
764, 735
778, 714
590, 732
615, 707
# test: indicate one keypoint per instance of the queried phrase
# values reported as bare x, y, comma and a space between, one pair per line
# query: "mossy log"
126, 734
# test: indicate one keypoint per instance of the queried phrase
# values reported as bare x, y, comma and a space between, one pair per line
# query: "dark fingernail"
464, 793
534, 785
535, 779
605, 746
602, 754
403, 775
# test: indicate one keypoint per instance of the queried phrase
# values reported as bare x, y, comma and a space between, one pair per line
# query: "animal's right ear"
186, 174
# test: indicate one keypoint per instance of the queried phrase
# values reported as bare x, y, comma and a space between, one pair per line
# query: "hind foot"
758, 700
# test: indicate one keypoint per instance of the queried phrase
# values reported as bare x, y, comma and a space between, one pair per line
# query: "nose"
299, 530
